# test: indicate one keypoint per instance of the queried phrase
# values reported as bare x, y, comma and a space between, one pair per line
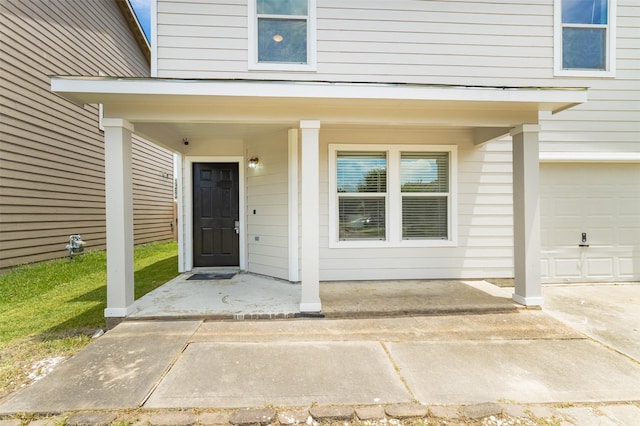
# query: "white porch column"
119, 204
526, 215
310, 258
294, 252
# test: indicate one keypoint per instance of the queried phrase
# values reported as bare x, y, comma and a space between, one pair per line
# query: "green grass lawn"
51, 309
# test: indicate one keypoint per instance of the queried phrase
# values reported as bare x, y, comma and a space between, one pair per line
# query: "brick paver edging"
394, 414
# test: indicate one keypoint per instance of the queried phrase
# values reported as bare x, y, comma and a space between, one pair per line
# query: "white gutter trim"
589, 157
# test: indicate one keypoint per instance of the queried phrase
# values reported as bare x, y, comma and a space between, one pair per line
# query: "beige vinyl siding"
202, 35
473, 42
267, 194
153, 186
477, 42
485, 237
51, 150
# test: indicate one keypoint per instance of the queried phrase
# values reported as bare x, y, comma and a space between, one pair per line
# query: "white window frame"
610, 44
253, 63
393, 208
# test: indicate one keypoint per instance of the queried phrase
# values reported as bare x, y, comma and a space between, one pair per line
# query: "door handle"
237, 227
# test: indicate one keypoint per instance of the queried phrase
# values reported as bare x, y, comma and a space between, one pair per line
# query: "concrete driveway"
608, 313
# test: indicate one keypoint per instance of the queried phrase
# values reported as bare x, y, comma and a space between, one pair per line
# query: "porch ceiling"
165, 108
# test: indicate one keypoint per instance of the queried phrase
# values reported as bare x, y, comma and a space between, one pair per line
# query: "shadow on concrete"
412, 297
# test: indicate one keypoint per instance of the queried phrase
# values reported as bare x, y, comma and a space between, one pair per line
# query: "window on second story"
282, 34
585, 39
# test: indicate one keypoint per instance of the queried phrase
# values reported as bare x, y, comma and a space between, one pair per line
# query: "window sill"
265, 66
392, 244
584, 73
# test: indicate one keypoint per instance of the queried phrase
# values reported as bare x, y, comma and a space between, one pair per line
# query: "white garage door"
599, 203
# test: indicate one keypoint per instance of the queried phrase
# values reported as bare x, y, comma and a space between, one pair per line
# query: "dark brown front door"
215, 214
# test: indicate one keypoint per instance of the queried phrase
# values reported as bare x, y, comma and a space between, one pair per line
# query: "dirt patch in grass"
27, 360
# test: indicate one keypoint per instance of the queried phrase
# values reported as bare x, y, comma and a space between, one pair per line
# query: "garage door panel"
602, 236
544, 267
600, 208
567, 237
567, 208
599, 267
546, 208
629, 267
629, 208
628, 236
567, 268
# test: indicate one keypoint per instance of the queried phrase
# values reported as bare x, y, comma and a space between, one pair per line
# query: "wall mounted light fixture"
253, 162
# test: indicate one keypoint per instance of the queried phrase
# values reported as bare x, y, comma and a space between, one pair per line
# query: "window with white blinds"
424, 179
362, 195
392, 195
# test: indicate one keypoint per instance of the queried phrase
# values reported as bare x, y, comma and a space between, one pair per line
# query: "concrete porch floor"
249, 296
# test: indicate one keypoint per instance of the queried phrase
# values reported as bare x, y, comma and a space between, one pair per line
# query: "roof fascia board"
133, 23
550, 98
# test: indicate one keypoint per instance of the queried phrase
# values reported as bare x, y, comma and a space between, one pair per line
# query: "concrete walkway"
445, 362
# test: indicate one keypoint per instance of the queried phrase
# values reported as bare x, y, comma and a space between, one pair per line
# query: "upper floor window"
585, 39
282, 34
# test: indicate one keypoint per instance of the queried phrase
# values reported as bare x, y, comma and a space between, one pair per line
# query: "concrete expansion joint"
486, 414
398, 371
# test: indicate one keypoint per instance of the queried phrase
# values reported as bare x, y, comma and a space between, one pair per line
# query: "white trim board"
589, 157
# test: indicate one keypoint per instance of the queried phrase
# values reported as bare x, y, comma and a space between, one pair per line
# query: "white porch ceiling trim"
98, 89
